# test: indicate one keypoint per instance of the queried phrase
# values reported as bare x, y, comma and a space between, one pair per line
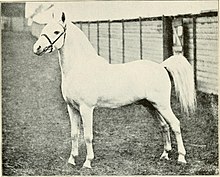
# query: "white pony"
89, 81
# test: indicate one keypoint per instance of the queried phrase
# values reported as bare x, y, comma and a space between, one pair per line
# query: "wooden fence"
201, 48
121, 41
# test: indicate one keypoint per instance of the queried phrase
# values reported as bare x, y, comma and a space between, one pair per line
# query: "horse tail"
182, 74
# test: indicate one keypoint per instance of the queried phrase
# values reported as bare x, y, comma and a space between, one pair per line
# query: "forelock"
53, 25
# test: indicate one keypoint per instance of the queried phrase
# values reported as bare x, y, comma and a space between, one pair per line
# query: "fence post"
123, 41
98, 37
194, 52
89, 30
141, 44
167, 37
109, 41
80, 25
11, 24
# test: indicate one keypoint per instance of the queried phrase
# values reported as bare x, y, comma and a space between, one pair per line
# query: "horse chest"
69, 93
76, 91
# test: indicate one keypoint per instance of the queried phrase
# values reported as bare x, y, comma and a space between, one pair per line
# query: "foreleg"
87, 118
74, 121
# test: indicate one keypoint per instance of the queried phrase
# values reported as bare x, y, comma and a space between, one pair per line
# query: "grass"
127, 141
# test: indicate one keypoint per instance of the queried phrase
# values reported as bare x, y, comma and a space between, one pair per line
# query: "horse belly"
115, 102
120, 94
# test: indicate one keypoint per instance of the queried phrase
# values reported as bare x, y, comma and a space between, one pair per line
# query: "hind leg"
166, 137
169, 116
165, 127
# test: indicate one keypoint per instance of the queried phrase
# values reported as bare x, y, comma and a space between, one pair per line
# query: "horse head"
52, 36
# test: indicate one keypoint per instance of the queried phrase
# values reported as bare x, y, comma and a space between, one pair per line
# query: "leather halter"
52, 43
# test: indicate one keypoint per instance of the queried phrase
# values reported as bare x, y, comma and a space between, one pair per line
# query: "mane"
82, 41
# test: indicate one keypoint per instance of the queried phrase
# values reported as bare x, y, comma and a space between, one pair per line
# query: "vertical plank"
80, 25
109, 40
103, 40
89, 31
141, 45
10, 24
167, 37
152, 40
123, 41
116, 42
194, 52
93, 35
98, 37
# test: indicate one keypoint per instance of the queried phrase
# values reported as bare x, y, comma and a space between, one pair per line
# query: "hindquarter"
135, 81
157, 85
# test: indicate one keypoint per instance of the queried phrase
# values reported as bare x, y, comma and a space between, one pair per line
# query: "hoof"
72, 160
164, 156
87, 164
181, 159
181, 162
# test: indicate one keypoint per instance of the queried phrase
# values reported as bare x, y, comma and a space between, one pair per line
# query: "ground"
127, 141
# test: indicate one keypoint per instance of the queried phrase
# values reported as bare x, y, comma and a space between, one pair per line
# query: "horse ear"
63, 17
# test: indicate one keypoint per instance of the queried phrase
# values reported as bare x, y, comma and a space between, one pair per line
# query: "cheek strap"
51, 43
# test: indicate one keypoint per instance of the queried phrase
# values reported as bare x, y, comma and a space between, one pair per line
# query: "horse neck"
76, 49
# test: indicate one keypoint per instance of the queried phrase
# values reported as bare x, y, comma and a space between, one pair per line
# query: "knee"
175, 126
88, 140
165, 128
74, 136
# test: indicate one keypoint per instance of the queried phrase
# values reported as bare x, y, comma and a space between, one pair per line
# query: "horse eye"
56, 32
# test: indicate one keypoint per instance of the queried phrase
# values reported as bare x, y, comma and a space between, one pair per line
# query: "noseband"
52, 43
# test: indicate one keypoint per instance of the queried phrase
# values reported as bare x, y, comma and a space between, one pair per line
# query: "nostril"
39, 47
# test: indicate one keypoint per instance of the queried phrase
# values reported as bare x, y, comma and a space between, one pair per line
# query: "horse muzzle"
39, 50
